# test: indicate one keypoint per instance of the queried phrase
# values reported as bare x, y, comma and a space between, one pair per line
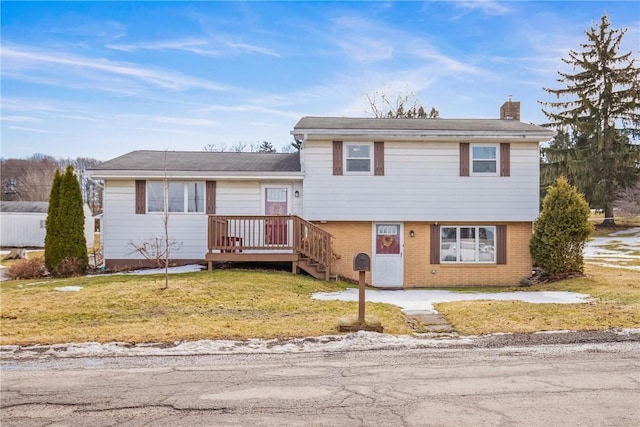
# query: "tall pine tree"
65, 241
597, 116
52, 253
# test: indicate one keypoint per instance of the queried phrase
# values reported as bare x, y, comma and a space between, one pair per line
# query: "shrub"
561, 230
27, 269
69, 267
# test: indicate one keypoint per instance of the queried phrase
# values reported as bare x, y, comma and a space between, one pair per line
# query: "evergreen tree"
266, 147
52, 254
297, 144
598, 121
561, 230
72, 215
65, 241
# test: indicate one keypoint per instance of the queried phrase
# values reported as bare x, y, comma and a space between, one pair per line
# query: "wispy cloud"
363, 40
250, 109
362, 49
488, 7
33, 63
192, 45
198, 46
253, 49
26, 129
6, 118
186, 121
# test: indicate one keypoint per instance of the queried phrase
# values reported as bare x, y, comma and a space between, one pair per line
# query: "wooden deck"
264, 238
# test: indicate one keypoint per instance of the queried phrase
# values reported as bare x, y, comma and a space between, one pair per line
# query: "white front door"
387, 268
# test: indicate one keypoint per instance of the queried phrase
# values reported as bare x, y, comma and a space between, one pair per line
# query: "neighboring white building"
22, 224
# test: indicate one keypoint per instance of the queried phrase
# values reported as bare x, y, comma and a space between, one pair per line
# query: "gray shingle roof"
24, 207
364, 124
202, 161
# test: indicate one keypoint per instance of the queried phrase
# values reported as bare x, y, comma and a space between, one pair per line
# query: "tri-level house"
434, 202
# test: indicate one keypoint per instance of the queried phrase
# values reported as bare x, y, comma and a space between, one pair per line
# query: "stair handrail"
313, 242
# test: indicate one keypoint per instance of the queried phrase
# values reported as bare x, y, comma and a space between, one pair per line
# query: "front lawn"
243, 304
224, 304
616, 304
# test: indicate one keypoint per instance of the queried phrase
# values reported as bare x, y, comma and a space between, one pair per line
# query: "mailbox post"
361, 264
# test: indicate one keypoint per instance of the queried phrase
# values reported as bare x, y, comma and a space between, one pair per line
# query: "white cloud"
10, 118
71, 67
250, 109
26, 129
198, 46
186, 121
193, 45
253, 49
488, 7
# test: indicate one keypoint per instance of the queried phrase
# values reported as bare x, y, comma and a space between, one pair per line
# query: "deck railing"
267, 233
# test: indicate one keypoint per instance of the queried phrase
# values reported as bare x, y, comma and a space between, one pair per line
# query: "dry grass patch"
226, 304
31, 254
616, 304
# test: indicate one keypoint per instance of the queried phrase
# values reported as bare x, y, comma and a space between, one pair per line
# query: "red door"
276, 205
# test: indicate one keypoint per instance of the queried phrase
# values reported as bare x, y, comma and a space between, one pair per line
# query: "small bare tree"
398, 106
155, 249
215, 148
628, 203
159, 249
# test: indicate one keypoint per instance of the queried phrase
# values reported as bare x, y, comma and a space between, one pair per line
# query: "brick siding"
354, 237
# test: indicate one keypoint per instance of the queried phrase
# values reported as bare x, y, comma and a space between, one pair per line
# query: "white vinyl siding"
120, 224
421, 183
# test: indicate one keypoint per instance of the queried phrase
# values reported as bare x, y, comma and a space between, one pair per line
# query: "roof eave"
413, 135
195, 175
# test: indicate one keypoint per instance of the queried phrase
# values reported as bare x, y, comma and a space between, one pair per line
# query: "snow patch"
414, 300
68, 288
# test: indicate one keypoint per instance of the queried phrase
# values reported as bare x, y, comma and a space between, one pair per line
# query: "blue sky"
100, 79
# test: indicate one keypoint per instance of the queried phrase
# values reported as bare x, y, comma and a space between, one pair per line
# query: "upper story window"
358, 158
484, 159
182, 196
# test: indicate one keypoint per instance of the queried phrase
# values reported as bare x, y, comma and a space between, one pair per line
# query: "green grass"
615, 304
225, 304
242, 304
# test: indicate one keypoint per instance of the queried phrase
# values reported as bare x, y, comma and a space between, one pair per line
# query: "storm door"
275, 205
387, 268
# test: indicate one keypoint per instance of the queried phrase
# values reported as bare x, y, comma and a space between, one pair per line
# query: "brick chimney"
510, 110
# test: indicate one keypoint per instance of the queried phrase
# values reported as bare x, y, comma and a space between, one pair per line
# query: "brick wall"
354, 237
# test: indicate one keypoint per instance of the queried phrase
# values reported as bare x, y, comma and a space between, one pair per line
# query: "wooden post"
361, 299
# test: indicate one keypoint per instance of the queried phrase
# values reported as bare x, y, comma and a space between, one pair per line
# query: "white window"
468, 244
182, 196
484, 159
358, 158
276, 194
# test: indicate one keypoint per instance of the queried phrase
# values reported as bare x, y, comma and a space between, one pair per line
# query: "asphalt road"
559, 384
